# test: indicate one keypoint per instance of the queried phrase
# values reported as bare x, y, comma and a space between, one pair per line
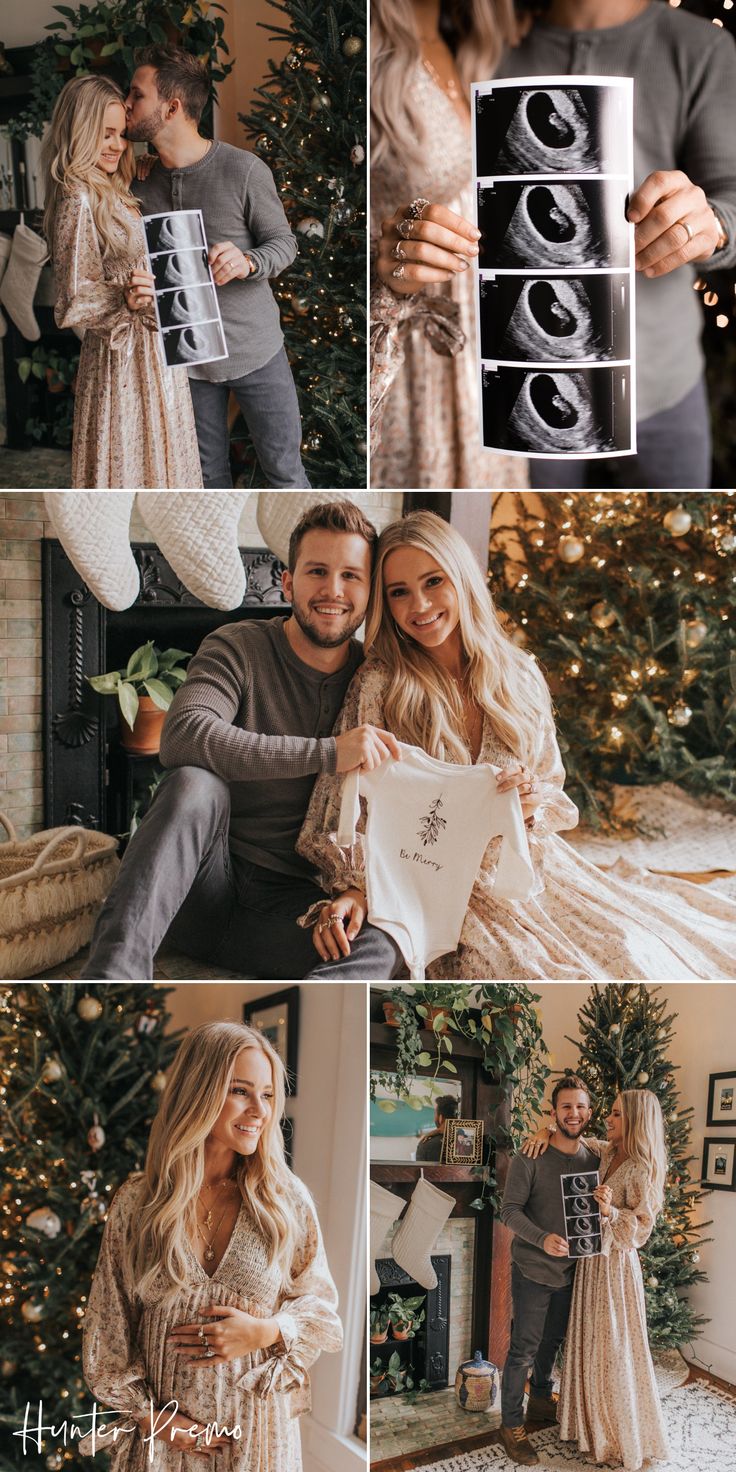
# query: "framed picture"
463, 1142
277, 1018
719, 1164
722, 1098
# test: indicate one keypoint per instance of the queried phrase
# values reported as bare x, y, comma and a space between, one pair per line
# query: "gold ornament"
158, 1082
352, 46
45, 1221
570, 549
319, 101
602, 615
679, 714
300, 305
96, 1136
31, 1311
642, 1078
89, 1008
8, 1368
678, 522
51, 1071
696, 630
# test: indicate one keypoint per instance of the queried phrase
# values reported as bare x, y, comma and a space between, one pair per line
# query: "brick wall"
22, 528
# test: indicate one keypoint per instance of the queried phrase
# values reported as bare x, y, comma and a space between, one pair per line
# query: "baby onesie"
429, 824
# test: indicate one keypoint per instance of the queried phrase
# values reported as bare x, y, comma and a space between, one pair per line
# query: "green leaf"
448, 1065
24, 369
478, 1204
160, 694
170, 657
105, 684
386, 1106
142, 663
77, 56
110, 48
128, 698
424, 1060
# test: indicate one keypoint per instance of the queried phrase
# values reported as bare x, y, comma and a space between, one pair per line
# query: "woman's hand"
537, 1143
234, 1334
143, 165
139, 291
177, 1429
414, 253
604, 1196
331, 936
521, 777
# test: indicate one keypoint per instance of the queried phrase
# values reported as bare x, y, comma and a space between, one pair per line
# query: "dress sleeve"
392, 316
112, 1361
84, 299
342, 868
307, 1320
629, 1226
557, 812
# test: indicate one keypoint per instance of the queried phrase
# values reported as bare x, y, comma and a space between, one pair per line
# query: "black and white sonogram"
551, 128
181, 230
191, 304
202, 343
180, 268
525, 227
550, 319
557, 411
582, 1214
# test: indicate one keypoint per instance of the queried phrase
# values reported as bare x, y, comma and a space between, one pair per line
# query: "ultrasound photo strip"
582, 1213
185, 297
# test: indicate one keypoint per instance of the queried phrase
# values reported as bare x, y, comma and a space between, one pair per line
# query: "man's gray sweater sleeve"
264, 216
515, 1198
708, 155
199, 731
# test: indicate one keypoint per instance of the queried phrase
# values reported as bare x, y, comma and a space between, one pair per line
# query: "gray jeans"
178, 881
538, 1328
270, 409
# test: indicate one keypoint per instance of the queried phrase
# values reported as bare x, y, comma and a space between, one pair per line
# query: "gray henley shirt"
236, 193
256, 715
532, 1208
684, 72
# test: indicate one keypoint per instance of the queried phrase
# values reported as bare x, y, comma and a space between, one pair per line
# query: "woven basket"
51, 887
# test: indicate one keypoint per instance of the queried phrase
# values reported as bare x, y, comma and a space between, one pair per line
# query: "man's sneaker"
518, 1446
541, 1410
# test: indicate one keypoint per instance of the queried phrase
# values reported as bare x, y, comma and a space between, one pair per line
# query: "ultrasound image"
180, 268
203, 343
193, 304
582, 1214
547, 319
556, 411
178, 231
552, 129
528, 226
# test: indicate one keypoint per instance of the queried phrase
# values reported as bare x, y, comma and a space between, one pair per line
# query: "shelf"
395, 1171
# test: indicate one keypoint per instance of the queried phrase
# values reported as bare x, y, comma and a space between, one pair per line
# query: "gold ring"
398, 252
399, 270
405, 228
416, 208
689, 228
334, 920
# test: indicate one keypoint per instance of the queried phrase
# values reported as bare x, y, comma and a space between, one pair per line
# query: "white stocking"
27, 255
94, 530
277, 515
385, 1208
197, 532
5, 247
416, 1235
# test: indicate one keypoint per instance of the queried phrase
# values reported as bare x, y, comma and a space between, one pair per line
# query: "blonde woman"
609, 1403
424, 394
212, 1296
133, 418
442, 674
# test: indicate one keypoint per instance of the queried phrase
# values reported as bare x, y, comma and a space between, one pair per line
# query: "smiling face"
328, 589
615, 1124
113, 143
572, 1112
249, 1103
421, 598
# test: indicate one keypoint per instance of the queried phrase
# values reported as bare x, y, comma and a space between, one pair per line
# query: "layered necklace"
471, 715
209, 1242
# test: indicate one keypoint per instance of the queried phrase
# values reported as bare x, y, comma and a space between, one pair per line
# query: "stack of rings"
209, 1354
414, 212
326, 924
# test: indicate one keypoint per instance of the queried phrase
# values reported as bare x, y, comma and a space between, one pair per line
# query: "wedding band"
405, 227
689, 228
399, 270
398, 252
417, 208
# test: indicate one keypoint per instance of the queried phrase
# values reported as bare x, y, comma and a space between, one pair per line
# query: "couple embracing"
137, 422
240, 860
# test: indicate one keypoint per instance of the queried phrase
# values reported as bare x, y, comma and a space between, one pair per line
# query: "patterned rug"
701, 1426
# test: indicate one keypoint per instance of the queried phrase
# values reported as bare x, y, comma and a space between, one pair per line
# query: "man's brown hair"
178, 74
332, 516
570, 1081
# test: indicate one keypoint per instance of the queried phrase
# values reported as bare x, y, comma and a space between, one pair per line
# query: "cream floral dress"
609, 1402
581, 925
133, 417
128, 1362
424, 370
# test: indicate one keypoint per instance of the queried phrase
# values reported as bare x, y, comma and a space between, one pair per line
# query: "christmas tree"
626, 1031
628, 601
309, 127
81, 1073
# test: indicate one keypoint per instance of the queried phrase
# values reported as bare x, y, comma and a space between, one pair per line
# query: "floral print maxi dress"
128, 1362
609, 1402
133, 417
581, 924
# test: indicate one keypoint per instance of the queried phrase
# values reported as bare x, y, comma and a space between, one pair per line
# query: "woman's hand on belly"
234, 1334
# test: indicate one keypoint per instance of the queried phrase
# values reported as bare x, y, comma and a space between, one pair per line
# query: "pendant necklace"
209, 1246
216, 1186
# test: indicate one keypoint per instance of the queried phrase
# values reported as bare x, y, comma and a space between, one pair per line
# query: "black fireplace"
89, 779
425, 1356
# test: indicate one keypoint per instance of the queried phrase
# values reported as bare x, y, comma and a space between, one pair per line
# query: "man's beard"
146, 129
303, 617
573, 1134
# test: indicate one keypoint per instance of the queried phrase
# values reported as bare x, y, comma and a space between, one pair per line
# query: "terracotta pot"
54, 384
379, 1338
145, 738
400, 1333
389, 1012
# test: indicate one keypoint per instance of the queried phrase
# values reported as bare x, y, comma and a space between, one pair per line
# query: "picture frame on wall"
276, 1016
719, 1164
722, 1098
463, 1143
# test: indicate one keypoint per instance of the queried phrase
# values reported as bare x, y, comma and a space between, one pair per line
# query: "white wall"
704, 1043
330, 1118
23, 25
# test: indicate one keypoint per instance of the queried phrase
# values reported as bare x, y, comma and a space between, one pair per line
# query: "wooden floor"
476, 1443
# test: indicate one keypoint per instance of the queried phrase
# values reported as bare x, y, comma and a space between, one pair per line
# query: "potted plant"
145, 690
438, 1001
378, 1378
406, 1315
379, 1324
398, 1376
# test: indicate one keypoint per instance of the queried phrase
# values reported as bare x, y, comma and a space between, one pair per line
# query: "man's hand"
339, 922
555, 1246
365, 747
228, 263
674, 223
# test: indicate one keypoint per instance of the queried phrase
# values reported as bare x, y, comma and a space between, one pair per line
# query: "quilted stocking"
416, 1235
5, 248
277, 514
93, 528
197, 532
385, 1208
27, 256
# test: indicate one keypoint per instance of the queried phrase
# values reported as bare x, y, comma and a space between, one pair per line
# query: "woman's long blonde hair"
643, 1137
69, 157
476, 30
423, 705
196, 1091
